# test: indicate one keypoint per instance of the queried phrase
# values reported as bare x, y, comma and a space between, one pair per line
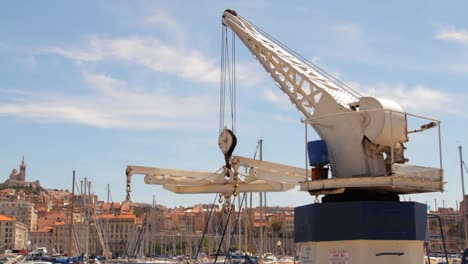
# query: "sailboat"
71, 237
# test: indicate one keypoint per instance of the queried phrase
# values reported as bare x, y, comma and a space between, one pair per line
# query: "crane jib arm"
304, 85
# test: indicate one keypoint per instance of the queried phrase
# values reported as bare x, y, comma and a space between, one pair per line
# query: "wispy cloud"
151, 53
348, 31
19, 92
277, 97
74, 54
415, 99
418, 98
451, 33
301, 9
155, 55
167, 22
462, 68
112, 104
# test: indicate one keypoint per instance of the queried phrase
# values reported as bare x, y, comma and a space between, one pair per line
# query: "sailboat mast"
70, 234
260, 142
461, 170
465, 200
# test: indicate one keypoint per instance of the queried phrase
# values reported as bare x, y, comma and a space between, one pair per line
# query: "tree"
276, 226
206, 244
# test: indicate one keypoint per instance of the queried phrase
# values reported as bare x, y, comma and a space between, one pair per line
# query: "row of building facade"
121, 230
115, 228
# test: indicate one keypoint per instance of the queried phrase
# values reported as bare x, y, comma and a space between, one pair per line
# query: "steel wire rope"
229, 64
210, 215
98, 223
254, 157
233, 82
228, 77
206, 227
214, 173
464, 165
237, 223
312, 65
224, 230
77, 247
243, 198
133, 252
227, 68
74, 237
222, 97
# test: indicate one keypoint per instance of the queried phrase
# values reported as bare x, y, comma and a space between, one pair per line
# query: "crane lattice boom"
303, 84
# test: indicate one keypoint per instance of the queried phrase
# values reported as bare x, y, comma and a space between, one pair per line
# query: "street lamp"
28, 245
279, 247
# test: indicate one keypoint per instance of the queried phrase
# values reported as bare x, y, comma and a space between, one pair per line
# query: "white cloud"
301, 9
417, 98
462, 68
251, 73
18, 92
29, 60
166, 21
151, 53
277, 97
155, 55
113, 105
453, 34
77, 55
348, 31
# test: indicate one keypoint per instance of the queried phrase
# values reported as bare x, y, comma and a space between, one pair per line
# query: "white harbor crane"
364, 136
362, 140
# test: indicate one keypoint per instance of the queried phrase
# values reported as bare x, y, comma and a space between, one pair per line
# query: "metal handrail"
314, 120
429, 216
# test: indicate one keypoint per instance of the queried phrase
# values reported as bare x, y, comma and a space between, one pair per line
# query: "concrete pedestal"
361, 232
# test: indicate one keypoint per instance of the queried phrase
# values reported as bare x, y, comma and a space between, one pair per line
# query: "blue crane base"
360, 220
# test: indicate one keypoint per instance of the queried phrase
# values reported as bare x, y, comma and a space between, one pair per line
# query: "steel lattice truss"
303, 84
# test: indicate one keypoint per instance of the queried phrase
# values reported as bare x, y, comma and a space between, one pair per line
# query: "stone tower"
22, 174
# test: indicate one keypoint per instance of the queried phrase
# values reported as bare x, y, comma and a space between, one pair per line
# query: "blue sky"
98, 85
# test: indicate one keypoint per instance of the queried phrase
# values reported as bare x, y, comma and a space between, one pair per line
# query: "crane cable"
206, 227
241, 205
227, 140
228, 219
224, 232
237, 223
228, 78
314, 66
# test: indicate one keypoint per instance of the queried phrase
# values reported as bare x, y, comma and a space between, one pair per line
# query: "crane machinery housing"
360, 219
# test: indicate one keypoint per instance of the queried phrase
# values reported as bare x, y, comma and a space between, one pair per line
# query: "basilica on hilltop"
19, 178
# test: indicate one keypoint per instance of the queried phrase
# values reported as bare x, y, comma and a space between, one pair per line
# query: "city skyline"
94, 87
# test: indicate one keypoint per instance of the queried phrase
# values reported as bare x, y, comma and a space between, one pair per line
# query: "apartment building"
82, 241
287, 223
43, 237
13, 234
121, 231
22, 211
155, 219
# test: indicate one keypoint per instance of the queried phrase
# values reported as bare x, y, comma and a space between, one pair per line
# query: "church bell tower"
22, 174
